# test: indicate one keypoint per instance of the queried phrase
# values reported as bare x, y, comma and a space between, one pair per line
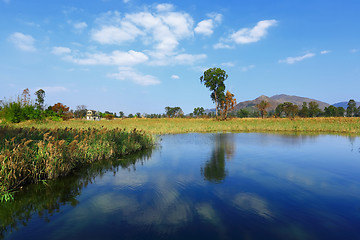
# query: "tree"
287, 108
121, 114
227, 105
173, 112
304, 111
314, 109
61, 110
330, 111
40, 99
80, 111
25, 97
199, 111
243, 113
214, 78
351, 110
262, 106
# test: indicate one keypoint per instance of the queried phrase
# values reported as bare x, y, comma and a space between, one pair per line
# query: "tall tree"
25, 97
351, 109
314, 109
262, 106
304, 111
214, 78
40, 99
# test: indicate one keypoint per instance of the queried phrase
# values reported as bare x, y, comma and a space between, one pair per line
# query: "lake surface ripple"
202, 186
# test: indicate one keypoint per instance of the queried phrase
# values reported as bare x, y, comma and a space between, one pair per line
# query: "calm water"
203, 186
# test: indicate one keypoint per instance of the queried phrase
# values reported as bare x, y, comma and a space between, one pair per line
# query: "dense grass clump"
29, 155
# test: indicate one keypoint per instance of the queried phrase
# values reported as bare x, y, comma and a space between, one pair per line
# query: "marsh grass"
336, 125
30, 155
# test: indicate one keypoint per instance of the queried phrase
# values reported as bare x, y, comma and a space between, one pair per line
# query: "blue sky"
141, 56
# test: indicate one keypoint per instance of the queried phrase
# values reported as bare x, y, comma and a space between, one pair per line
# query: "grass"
30, 155
339, 125
31, 152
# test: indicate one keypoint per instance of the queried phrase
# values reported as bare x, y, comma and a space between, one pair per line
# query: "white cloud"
163, 30
23, 42
354, 50
206, 27
115, 58
221, 45
325, 52
80, 26
228, 64
165, 7
175, 77
251, 35
126, 1
127, 73
6, 1
116, 35
247, 68
292, 60
60, 50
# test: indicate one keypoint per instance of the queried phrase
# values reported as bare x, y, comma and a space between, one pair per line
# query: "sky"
141, 56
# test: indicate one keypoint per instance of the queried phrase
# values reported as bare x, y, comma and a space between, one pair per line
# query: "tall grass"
29, 155
336, 125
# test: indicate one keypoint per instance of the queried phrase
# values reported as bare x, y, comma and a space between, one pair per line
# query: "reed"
30, 155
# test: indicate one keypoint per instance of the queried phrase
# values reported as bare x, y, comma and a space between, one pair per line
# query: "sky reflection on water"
214, 186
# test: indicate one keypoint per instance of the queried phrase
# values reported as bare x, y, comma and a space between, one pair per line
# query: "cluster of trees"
311, 109
25, 109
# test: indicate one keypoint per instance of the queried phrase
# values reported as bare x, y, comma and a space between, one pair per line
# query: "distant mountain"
277, 99
344, 104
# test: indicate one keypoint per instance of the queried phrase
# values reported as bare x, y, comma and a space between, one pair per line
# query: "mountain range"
281, 98
278, 99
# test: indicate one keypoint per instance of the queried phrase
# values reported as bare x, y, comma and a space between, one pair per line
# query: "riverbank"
336, 125
30, 155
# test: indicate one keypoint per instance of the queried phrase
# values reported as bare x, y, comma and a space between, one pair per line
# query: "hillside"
344, 104
277, 99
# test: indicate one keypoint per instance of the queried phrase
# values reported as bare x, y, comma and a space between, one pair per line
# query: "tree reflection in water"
224, 149
48, 198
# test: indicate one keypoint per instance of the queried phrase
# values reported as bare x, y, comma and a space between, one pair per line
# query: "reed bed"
336, 125
30, 155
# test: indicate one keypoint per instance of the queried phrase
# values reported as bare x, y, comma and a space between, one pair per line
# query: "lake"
202, 186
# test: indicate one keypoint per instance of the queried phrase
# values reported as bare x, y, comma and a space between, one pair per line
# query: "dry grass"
179, 125
30, 155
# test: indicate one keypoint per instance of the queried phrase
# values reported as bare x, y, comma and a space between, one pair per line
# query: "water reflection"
47, 198
224, 148
213, 186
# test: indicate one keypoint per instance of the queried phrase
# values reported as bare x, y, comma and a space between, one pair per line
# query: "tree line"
24, 108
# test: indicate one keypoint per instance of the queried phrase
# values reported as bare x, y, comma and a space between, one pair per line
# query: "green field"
184, 125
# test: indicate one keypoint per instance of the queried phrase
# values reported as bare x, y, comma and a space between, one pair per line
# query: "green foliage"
286, 109
40, 99
314, 110
243, 113
199, 111
304, 111
214, 79
173, 112
351, 110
